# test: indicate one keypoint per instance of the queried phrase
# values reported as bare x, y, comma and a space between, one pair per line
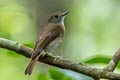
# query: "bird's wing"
46, 39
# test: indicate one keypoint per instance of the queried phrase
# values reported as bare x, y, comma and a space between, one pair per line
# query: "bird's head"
57, 18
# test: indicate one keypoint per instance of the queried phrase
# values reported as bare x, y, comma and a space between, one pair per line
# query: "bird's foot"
57, 57
44, 54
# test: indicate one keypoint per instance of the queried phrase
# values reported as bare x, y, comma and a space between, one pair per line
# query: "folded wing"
46, 39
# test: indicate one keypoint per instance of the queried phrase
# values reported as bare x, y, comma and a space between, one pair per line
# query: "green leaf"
43, 77
61, 74
11, 53
58, 75
98, 59
75, 75
31, 45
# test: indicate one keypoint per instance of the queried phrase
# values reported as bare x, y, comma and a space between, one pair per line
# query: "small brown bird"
50, 38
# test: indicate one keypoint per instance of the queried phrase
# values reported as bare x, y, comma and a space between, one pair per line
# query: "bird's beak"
64, 13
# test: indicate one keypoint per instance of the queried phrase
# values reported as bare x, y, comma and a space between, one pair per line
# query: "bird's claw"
43, 54
57, 57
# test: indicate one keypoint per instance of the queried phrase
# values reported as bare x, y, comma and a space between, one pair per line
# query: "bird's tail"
31, 65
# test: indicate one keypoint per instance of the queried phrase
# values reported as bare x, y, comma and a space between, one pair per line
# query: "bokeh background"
92, 35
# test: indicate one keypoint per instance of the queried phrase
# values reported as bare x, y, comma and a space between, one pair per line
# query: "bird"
50, 37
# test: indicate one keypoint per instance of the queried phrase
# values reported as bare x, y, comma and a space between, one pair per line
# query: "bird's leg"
46, 54
57, 57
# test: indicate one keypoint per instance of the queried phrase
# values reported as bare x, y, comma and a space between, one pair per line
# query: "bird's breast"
56, 33
53, 45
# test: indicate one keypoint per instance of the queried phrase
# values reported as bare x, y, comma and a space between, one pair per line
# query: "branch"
114, 61
61, 63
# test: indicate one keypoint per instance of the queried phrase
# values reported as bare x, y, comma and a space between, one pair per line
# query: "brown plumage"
50, 37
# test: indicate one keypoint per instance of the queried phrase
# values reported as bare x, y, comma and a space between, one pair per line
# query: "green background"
92, 35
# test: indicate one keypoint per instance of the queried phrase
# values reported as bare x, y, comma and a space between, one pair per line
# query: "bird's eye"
56, 16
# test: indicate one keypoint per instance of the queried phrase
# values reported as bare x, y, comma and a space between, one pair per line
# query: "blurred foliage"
60, 74
57, 75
